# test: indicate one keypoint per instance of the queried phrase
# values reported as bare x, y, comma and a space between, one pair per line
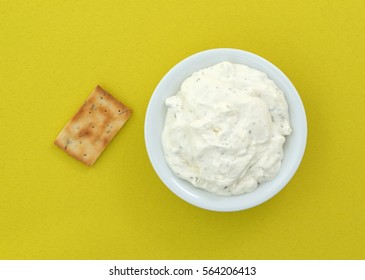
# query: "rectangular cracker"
92, 128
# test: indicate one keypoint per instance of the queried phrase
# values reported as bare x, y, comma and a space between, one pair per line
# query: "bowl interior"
155, 117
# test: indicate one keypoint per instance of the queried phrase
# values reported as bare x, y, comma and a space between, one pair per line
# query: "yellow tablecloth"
53, 53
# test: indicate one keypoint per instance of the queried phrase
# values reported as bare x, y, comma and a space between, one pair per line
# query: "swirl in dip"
225, 129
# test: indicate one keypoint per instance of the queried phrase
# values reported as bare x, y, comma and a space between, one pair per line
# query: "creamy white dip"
225, 129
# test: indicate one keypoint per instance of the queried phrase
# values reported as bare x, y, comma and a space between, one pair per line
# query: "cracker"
92, 128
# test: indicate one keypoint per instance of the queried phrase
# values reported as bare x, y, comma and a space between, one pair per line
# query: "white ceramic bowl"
155, 117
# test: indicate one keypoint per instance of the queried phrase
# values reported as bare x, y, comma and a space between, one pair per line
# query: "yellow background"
53, 53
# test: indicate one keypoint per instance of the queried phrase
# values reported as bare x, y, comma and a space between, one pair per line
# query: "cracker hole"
84, 155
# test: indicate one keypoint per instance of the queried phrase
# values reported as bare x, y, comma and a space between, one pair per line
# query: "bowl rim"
175, 184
